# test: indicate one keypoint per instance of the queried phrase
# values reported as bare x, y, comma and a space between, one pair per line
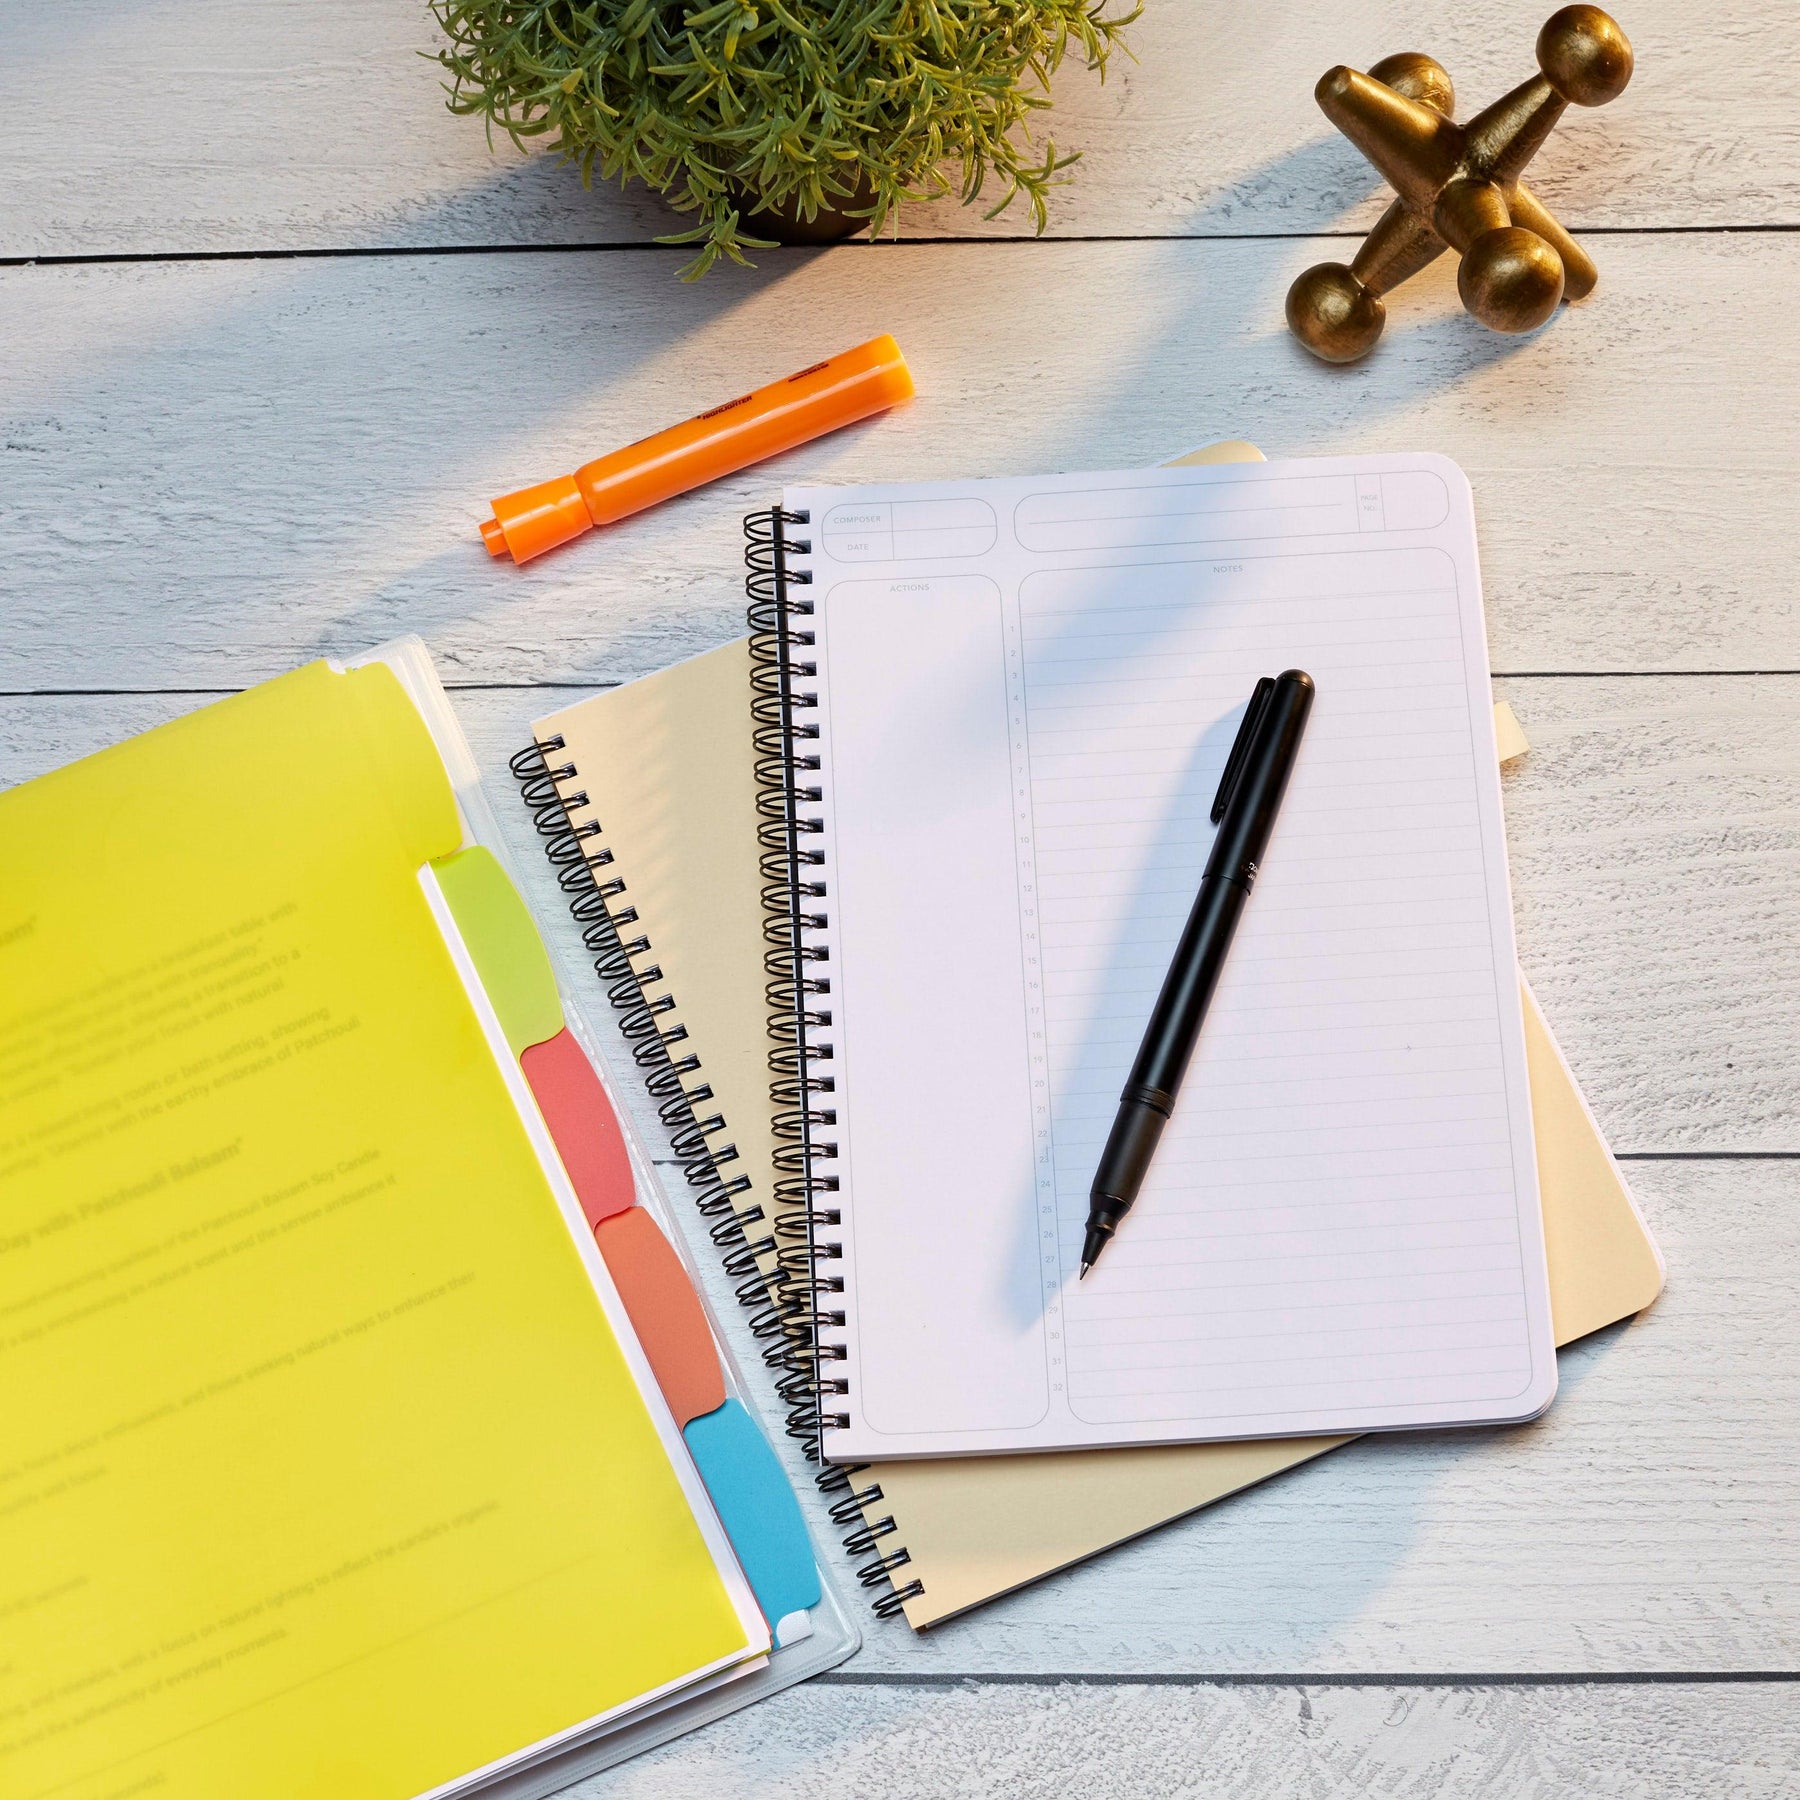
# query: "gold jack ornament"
1459, 188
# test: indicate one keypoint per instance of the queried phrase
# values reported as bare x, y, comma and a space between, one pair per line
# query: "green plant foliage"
846, 105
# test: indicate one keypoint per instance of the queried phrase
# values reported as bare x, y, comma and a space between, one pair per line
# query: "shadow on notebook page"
1152, 926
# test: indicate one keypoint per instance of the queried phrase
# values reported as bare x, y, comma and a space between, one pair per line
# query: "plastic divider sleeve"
748, 1486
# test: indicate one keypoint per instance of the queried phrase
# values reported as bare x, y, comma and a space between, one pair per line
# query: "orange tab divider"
665, 1313
582, 1124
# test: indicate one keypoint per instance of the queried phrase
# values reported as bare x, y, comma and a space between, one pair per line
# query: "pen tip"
1084, 1269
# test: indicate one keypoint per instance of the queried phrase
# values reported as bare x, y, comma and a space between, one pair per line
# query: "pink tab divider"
582, 1124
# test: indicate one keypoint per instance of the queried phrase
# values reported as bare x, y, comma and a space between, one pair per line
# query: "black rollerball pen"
1244, 809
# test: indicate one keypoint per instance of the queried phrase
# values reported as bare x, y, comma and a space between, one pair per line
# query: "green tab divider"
510, 956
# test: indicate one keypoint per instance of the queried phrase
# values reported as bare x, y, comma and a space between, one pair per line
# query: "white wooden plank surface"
186, 125
1654, 832
208, 473
1655, 838
980, 1742
212, 471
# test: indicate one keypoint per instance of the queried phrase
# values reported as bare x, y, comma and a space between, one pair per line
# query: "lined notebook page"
1027, 692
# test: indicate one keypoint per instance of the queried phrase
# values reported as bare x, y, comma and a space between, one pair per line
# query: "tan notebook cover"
666, 764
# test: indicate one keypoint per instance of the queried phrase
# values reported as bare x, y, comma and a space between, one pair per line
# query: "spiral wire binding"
791, 1303
803, 1087
630, 979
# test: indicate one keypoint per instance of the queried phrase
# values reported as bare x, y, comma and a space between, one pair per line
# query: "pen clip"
1240, 747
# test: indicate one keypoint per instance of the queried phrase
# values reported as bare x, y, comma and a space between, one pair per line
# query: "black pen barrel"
1249, 797
1187, 990
1254, 799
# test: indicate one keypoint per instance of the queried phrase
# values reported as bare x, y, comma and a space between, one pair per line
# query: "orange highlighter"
866, 380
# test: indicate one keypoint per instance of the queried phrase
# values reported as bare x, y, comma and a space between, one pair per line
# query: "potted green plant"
780, 120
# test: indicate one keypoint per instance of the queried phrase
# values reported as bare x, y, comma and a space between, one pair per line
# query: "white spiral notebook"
1006, 706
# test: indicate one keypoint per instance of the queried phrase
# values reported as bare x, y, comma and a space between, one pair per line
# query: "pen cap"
1257, 775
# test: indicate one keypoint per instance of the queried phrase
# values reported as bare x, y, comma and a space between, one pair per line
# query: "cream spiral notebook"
667, 766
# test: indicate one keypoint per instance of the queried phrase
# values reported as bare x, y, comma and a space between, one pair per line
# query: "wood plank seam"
599, 247
1706, 1155
1229, 1679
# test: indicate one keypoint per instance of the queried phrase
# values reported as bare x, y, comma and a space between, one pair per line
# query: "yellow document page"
322, 1472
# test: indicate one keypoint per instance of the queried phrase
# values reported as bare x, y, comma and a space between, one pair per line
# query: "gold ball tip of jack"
1511, 280
1417, 77
1584, 55
1333, 314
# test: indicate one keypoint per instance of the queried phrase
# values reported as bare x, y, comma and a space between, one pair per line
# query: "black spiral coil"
803, 1086
781, 1264
581, 862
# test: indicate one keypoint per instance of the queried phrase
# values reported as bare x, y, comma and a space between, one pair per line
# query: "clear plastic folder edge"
834, 1636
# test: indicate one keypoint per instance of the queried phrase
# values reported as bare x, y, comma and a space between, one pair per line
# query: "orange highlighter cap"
803, 406
536, 519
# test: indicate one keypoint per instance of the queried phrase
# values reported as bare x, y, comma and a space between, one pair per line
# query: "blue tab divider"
757, 1508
